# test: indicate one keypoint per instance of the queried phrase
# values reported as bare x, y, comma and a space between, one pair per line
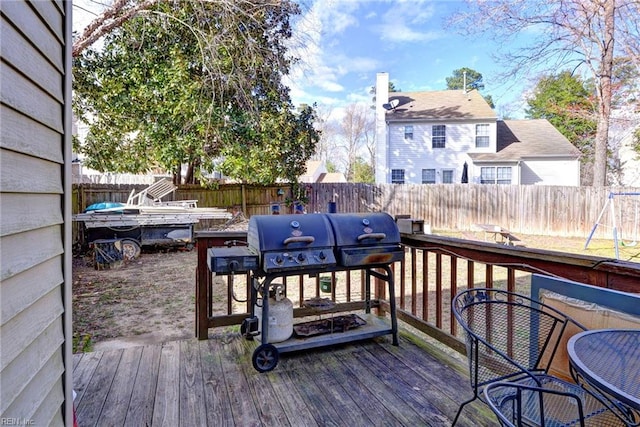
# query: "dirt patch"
150, 299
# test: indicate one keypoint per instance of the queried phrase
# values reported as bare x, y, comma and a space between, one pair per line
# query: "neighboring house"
317, 172
629, 162
36, 361
624, 123
429, 137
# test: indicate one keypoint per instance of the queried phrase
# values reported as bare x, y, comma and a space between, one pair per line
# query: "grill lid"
292, 242
278, 232
366, 239
364, 229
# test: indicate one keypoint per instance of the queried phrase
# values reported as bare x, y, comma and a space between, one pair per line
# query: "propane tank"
280, 325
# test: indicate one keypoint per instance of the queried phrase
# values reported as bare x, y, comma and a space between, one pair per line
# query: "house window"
495, 175
428, 176
397, 176
482, 135
504, 175
438, 136
408, 132
447, 176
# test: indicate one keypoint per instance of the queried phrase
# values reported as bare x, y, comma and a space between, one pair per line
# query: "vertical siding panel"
35, 109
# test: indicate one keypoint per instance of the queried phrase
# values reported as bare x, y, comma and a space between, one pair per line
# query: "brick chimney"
382, 97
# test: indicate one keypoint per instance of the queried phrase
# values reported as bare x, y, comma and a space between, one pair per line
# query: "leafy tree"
181, 82
372, 91
473, 80
278, 148
331, 166
118, 12
571, 33
568, 104
363, 171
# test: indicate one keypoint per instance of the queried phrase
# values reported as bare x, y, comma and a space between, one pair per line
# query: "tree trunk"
604, 93
188, 178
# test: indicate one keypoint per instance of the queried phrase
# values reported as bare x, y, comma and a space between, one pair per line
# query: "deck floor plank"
90, 408
234, 363
166, 407
119, 397
448, 382
368, 400
84, 365
293, 405
216, 397
426, 395
269, 407
391, 402
327, 373
192, 412
140, 411
396, 380
213, 383
320, 407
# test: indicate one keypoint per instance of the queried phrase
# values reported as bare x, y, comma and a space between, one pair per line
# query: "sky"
348, 41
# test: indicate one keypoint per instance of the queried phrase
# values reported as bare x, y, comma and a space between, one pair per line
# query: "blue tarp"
103, 205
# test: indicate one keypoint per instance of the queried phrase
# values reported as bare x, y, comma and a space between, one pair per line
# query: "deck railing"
433, 271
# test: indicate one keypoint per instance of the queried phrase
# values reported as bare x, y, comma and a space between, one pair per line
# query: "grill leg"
392, 305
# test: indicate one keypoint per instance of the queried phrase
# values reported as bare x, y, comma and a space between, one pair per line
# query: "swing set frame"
611, 205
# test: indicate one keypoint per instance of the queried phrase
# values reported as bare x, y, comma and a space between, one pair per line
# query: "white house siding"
550, 172
35, 267
416, 154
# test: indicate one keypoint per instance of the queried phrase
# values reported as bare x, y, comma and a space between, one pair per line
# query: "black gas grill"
285, 245
301, 243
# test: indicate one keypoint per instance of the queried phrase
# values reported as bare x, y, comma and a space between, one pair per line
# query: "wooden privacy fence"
544, 210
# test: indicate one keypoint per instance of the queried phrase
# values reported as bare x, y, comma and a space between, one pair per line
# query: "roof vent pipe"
464, 82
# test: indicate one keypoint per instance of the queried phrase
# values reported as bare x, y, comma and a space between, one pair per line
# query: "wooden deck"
212, 383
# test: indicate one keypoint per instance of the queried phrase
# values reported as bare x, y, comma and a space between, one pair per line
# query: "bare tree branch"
567, 33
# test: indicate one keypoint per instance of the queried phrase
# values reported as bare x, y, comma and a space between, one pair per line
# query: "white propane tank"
280, 316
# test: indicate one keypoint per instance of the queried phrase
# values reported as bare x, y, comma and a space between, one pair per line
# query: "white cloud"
319, 65
403, 22
335, 15
399, 32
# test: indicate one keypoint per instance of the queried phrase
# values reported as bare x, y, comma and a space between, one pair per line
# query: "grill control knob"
301, 257
234, 266
278, 259
322, 256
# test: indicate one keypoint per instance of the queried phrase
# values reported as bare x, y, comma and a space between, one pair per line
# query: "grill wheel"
265, 358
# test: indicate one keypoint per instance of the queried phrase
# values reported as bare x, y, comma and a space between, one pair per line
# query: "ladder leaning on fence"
152, 196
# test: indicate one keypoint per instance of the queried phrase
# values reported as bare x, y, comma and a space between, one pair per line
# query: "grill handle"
377, 236
299, 239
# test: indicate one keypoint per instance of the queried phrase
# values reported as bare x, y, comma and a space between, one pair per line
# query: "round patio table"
609, 360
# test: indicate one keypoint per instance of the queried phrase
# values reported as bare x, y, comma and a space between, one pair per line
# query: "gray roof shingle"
521, 139
447, 105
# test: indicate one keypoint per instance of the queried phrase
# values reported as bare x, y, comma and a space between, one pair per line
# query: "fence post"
244, 198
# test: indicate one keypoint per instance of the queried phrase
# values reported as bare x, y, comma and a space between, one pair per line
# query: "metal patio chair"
513, 339
551, 403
